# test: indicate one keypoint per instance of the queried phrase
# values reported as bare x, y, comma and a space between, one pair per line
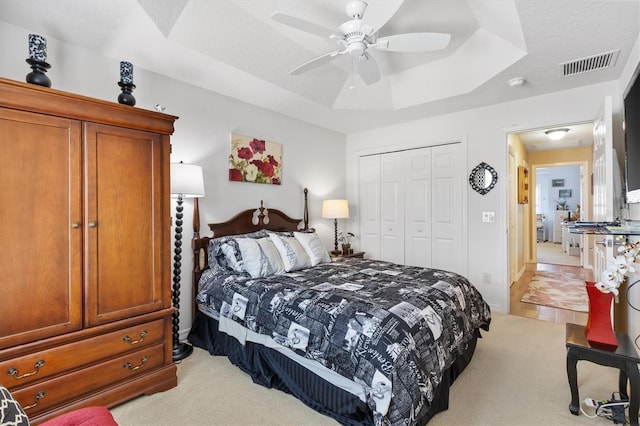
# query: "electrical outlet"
488, 216
486, 278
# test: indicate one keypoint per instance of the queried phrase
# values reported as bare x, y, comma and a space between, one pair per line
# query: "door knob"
92, 224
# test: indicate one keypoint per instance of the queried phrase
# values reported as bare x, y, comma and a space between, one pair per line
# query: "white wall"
312, 156
315, 157
483, 132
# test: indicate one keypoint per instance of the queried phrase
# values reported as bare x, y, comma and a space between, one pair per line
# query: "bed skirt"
272, 369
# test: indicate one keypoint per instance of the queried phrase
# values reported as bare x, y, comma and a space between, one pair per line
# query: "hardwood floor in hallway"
545, 313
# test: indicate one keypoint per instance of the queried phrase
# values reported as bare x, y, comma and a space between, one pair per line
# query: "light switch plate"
488, 216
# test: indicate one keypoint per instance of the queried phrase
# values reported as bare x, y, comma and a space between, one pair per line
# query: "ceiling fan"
355, 37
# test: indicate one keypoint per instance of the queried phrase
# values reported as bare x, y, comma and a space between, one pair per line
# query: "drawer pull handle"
133, 342
14, 371
128, 365
38, 397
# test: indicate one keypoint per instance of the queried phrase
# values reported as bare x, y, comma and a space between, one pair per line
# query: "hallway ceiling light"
556, 134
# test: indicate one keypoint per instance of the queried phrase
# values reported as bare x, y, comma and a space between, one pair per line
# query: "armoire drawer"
48, 394
20, 371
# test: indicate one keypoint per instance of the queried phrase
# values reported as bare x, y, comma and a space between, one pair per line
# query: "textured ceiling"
234, 48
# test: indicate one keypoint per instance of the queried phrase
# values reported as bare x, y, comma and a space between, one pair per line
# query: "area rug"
564, 290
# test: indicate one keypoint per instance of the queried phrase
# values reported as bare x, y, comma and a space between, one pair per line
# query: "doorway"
557, 199
558, 177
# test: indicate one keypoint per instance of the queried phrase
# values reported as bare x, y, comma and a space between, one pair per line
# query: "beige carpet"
517, 377
564, 290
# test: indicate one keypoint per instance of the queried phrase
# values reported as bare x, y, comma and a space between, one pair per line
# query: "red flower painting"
255, 160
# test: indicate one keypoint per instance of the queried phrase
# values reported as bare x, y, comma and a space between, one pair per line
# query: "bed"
360, 340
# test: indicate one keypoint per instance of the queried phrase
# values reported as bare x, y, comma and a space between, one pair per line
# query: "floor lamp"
186, 182
335, 209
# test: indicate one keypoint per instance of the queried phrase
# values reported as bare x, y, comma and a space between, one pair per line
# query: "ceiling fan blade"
379, 12
302, 24
314, 63
413, 42
368, 68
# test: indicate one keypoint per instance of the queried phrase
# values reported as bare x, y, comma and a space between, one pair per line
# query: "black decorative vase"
38, 75
126, 97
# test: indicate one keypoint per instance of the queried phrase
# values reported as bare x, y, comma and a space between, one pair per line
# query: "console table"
625, 358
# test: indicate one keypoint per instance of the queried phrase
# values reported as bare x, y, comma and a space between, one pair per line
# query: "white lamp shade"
186, 180
335, 209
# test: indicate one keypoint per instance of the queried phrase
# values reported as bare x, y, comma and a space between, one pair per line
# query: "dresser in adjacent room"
85, 263
559, 216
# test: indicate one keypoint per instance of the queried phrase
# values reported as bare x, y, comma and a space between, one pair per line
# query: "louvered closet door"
40, 234
418, 208
393, 175
370, 205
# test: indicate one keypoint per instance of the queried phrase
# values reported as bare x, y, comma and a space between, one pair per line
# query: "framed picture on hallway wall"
564, 193
557, 182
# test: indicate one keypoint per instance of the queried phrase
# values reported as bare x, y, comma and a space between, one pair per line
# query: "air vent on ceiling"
591, 63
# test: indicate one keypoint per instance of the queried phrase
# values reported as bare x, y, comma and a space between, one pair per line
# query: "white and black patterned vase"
126, 84
38, 61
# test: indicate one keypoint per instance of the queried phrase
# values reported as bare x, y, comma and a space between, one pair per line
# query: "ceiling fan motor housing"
356, 36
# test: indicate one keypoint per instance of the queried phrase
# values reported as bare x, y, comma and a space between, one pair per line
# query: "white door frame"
505, 195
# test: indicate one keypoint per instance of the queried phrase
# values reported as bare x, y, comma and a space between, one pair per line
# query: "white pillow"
313, 246
260, 258
293, 255
269, 249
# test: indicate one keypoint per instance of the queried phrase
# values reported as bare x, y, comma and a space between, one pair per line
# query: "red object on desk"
599, 330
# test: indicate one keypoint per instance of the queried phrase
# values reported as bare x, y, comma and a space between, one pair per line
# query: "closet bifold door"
127, 222
41, 259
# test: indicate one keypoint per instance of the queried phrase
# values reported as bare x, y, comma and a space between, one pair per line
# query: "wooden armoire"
85, 262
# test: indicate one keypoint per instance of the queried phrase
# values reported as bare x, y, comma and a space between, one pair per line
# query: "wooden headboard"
246, 221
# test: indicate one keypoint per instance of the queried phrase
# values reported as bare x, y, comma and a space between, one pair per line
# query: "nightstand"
358, 254
625, 358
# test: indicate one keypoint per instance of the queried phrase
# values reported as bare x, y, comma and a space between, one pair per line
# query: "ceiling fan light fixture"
556, 134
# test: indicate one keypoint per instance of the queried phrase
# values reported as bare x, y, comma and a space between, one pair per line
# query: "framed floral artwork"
255, 160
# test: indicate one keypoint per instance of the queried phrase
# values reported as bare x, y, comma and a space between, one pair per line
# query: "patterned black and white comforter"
394, 329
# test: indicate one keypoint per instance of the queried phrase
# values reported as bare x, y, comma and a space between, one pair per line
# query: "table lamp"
335, 209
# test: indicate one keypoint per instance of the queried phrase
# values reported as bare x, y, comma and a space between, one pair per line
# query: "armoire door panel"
40, 172
125, 196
